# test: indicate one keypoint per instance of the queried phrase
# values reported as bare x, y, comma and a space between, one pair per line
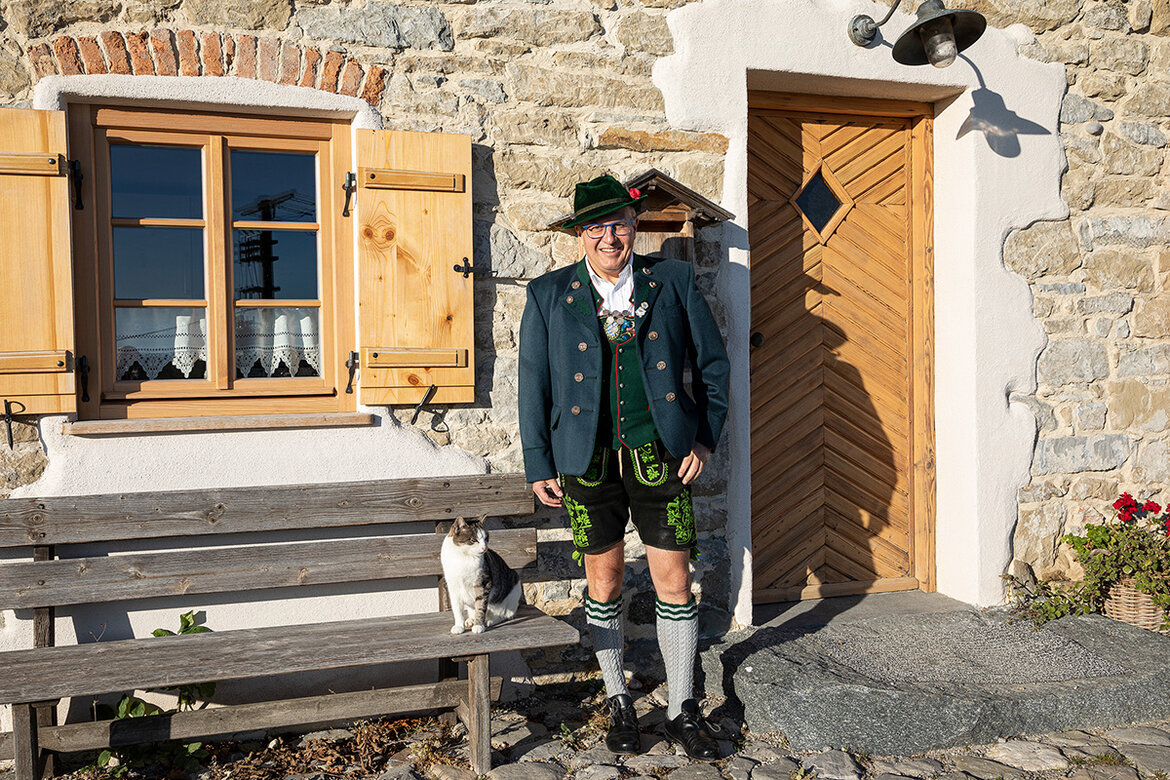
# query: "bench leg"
24, 742
479, 726
46, 713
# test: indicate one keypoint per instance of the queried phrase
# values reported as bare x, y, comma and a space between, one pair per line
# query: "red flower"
635, 192
1150, 506
1126, 500
1125, 516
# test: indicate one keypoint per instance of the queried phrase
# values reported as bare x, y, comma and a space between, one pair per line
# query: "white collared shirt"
615, 296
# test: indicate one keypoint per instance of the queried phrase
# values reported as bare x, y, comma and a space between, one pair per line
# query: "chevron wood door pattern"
836, 229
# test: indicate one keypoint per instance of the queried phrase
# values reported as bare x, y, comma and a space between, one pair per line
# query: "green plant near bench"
1135, 546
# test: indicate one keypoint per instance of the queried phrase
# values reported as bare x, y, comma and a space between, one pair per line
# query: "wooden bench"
34, 679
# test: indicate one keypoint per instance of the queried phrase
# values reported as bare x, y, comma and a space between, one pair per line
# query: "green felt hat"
598, 197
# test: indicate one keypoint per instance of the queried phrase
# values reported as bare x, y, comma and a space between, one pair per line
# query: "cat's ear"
481, 518
459, 523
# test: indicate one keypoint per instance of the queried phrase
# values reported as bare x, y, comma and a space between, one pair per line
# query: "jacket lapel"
579, 300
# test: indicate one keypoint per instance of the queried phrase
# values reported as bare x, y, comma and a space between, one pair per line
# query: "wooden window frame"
91, 128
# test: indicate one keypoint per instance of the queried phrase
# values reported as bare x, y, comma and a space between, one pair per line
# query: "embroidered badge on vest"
618, 326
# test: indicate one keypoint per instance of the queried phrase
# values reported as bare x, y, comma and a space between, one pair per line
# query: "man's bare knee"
605, 571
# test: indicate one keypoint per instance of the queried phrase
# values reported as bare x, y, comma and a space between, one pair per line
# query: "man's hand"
692, 464
548, 492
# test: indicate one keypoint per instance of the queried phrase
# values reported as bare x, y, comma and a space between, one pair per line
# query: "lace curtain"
156, 337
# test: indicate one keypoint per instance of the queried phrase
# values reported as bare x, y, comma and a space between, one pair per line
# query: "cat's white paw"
477, 629
457, 629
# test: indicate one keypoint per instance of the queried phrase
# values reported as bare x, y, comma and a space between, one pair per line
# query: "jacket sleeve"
710, 368
535, 393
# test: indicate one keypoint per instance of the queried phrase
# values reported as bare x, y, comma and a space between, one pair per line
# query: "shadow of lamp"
936, 37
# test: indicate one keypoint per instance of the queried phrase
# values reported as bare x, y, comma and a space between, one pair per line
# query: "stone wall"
1100, 278
550, 92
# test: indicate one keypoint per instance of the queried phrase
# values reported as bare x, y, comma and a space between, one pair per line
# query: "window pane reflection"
275, 264
160, 343
274, 186
277, 341
158, 262
156, 181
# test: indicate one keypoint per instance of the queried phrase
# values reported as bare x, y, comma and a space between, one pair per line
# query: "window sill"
239, 423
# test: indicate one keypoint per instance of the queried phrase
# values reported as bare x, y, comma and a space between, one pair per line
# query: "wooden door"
841, 409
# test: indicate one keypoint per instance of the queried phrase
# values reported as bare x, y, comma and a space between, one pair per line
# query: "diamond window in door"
822, 202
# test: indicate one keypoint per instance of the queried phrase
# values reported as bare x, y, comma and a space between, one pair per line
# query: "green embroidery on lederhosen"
579, 520
680, 513
595, 474
648, 470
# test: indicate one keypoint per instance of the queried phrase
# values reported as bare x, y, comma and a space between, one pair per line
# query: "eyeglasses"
623, 227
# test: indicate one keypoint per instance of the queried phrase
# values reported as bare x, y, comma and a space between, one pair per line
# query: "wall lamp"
936, 37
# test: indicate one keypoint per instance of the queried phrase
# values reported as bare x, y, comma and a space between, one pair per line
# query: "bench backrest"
46, 524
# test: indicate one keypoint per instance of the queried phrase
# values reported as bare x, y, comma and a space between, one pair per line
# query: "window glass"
160, 342
274, 186
275, 341
156, 181
818, 202
158, 262
275, 264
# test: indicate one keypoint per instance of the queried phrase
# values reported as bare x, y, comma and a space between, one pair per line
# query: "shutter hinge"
467, 269
352, 365
77, 177
426, 397
83, 371
349, 186
8, 417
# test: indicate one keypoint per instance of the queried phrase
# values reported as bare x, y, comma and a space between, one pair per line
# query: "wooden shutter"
36, 270
415, 326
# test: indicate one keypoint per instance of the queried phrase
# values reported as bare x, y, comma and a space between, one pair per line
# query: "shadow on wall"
1000, 126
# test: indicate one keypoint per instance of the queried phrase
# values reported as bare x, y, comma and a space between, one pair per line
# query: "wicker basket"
1129, 605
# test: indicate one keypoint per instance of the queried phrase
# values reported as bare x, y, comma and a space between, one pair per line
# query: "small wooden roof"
669, 204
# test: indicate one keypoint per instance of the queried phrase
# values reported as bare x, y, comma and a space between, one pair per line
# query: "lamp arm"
863, 29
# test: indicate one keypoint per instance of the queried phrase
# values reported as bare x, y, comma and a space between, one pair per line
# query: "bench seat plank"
164, 662
229, 570
78, 519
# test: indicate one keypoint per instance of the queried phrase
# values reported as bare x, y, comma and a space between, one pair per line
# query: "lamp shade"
911, 46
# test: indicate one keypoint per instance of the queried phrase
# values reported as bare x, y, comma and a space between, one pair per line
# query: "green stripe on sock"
666, 611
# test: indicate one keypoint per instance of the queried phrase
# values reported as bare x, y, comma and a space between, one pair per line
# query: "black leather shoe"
690, 731
623, 736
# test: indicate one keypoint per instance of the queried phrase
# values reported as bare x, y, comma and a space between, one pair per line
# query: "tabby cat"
484, 591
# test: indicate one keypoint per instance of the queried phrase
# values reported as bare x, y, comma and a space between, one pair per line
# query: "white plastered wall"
82, 465
996, 168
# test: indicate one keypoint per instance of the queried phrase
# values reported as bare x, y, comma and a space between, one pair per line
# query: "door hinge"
467, 269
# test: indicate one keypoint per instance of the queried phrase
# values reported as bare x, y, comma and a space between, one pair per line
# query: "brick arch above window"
164, 52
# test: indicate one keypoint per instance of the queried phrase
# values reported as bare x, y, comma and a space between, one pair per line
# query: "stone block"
547, 86
380, 24
702, 173
1086, 150
1152, 100
1038, 533
1072, 361
1135, 405
645, 32
267, 58
140, 59
1151, 318
1123, 157
1106, 16
1141, 13
38, 18
485, 90
1110, 269
542, 128
91, 55
1040, 15
641, 140
533, 214
1078, 189
1103, 84
1075, 454
1029, 756
68, 56
13, 77
1135, 231
1124, 192
313, 69
508, 256
1152, 463
43, 62
1145, 133
536, 26
1075, 109
1113, 303
1043, 248
1089, 416
212, 55
551, 173
246, 14
1150, 361
1090, 487
1126, 54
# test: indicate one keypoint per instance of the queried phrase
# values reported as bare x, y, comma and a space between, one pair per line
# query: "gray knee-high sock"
678, 639
605, 625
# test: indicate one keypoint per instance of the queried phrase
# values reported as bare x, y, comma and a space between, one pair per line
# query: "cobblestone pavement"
557, 734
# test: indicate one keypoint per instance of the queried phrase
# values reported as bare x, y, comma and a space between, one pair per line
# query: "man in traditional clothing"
610, 433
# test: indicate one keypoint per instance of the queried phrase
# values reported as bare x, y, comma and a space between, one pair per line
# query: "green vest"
625, 409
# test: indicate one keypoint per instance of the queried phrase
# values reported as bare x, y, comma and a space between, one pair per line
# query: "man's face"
609, 254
